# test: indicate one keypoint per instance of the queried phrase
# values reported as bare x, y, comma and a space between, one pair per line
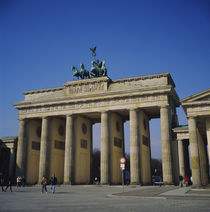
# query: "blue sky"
41, 39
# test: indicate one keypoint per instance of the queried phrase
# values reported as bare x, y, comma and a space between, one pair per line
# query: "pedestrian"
127, 177
2, 182
186, 180
181, 181
191, 181
18, 181
44, 184
22, 181
9, 184
53, 181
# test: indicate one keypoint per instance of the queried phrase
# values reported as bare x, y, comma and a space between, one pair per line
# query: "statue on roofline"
98, 69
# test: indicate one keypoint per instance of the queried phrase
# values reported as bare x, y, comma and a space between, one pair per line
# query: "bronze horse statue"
76, 72
84, 74
98, 69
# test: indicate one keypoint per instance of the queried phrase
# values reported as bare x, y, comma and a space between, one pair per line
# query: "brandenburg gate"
55, 129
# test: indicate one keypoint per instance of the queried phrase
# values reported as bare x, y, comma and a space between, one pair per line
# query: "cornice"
103, 79
147, 77
96, 97
175, 96
43, 90
194, 104
195, 96
87, 81
181, 129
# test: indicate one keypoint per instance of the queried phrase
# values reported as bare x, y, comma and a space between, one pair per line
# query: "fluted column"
21, 149
69, 160
181, 158
11, 162
134, 147
194, 152
166, 146
105, 148
208, 136
43, 161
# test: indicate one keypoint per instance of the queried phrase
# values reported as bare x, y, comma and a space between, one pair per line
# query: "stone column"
21, 149
166, 146
203, 161
91, 153
69, 159
11, 162
194, 152
105, 148
43, 161
181, 158
187, 159
134, 147
208, 136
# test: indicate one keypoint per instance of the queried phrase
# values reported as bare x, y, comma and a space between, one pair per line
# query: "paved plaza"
106, 198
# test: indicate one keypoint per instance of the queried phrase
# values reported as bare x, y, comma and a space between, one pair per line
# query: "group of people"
5, 184
52, 182
20, 181
187, 181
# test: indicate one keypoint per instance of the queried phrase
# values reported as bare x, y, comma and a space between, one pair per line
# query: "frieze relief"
197, 110
92, 104
182, 136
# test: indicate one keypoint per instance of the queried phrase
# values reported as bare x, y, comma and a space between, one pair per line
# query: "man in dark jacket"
2, 182
53, 181
9, 184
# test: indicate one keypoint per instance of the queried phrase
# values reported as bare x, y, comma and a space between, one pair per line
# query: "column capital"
69, 115
192, 124
191, 118
134, 109
21, 119
164, 106
45, 117
105, 111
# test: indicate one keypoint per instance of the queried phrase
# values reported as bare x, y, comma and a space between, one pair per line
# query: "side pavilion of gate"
55, 129
197, 136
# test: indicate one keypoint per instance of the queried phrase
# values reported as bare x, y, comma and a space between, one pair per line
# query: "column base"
135, 183
168, 183
105, 184
68, 183
198, 186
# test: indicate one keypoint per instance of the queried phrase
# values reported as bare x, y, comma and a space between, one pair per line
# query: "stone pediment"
197, 105
202, 97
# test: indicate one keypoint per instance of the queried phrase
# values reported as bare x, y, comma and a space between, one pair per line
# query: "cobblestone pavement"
106, 198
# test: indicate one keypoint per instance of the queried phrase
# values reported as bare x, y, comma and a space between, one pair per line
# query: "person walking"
44, 184
181, 181
18, 181
53, 181
9, 184
22, 181
127, 177
2, 182
186, 180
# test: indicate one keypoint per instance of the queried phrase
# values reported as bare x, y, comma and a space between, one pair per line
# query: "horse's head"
82, 66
